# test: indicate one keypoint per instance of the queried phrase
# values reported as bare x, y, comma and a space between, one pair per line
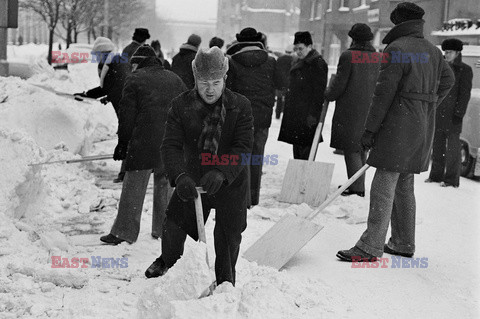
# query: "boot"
111, 239
355, 254
390, 251
157, 269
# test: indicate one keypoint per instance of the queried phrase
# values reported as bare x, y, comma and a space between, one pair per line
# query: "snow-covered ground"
62, 210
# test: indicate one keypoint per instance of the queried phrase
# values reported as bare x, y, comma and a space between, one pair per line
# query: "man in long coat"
203, 125
308, 79
446, 156
399, 129
353, 88
143, 111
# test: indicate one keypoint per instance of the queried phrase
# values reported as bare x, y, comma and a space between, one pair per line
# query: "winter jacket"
305, 96
408, 90
143, 111
113, 82
252, 73
452, 110
130, 49
352, 88
180, 151
282, 72
182, 64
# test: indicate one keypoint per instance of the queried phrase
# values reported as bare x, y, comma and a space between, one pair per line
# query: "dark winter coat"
143, 111
181, 153
118, 70
305, 96
252, 73
282, 72
130, 49
182, 64
402, 114
452, 110
352, 88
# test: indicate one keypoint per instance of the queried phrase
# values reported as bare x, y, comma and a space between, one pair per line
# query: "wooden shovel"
281, 242
308, 181
83, 159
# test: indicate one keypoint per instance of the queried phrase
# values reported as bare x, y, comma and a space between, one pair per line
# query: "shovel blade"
281, 242
306, 182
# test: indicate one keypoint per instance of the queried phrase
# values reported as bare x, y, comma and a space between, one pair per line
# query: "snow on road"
61, 210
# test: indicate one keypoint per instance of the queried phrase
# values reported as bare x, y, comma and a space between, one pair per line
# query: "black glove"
105, 100
368, 139
212, 181
83, 94
120, 152
186, 188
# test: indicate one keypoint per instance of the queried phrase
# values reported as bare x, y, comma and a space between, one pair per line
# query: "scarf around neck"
212, 127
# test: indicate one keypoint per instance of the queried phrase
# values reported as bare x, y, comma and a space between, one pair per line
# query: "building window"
363, 6
319, 11
330, 5
312, 9
344, 5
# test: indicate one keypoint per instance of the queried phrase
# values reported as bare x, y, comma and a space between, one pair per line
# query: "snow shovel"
64, 94
83, 159
202, 237
308, 181
281, 242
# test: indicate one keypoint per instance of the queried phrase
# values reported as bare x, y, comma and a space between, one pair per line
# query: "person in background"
143, 111
216, 42
252, 74
139, 37
207, 121
182, 61
305, 96
399, 131
352, 89
113, 71
284, 64
446, 156
158, 50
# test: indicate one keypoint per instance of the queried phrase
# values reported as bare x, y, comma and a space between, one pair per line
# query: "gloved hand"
82, 94
311, 121
120, 152
105, 100
212, 181
368, 139
186, 188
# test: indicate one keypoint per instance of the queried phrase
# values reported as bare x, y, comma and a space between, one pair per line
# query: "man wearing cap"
207, 122
147, 94
399, 131
182, 61
305, 96
252, 74
139, 37
216, 42
352, 89
113, 70
446, 156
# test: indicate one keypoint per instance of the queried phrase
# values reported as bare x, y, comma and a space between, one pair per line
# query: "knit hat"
141, 35
452, 44
303, 37
210, 64
142, 53
249, 35
360, 32
216, 42
406, 11
194, 40
103, 44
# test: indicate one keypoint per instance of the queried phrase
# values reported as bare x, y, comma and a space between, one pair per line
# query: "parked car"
470, 138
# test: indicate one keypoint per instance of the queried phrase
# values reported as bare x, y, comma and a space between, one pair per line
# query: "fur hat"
216, 42
103, 44
360, 32
141, 35
142, 53
452, 44
249, 35
406, 11
303, 37
194, 40
210, 64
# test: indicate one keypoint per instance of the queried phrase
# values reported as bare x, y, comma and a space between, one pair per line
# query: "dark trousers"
446, 158
301, 152
134, 188
280, 103
354, 161
260, 136
230, 222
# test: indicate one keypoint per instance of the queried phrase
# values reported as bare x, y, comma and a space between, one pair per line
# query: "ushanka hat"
249, 35
406, 11
360, 32
452, 44
210, 64
141, 34
303, 37
142, 53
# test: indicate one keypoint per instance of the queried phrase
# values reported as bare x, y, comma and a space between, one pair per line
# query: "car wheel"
467, 160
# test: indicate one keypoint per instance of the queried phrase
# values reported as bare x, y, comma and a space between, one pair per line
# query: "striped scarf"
212, 128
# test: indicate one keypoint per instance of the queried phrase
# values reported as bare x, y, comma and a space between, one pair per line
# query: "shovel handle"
318, 132
83, 159
359, 173
199, 215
